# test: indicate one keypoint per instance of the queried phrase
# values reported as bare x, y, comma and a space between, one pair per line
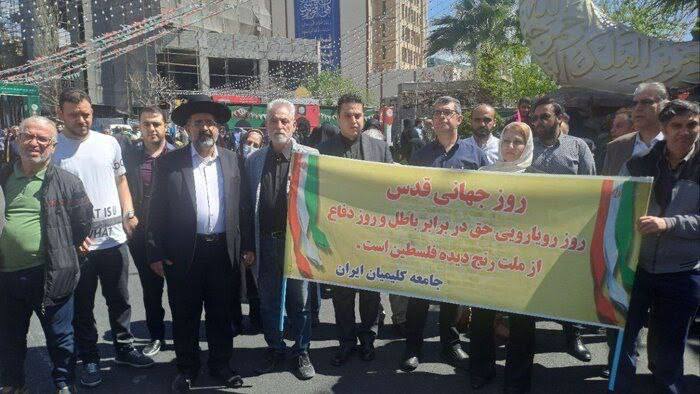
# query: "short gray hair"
444, 100
41, 121
656, 87
278, 103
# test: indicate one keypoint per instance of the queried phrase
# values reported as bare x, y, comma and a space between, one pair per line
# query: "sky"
437, 8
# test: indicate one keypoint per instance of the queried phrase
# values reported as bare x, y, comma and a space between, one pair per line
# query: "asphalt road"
554, 370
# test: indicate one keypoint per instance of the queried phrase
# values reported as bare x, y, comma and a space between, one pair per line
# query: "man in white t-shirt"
483, 122
97, 160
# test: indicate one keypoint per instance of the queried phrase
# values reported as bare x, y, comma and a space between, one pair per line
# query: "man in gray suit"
351, 143
649, 98
267, 171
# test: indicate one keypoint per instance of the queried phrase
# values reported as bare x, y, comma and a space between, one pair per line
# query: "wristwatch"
129, 215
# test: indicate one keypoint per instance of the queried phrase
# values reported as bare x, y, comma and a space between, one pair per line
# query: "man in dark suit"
352, 144
196, 233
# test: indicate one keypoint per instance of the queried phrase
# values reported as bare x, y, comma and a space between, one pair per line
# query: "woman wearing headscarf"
515, 156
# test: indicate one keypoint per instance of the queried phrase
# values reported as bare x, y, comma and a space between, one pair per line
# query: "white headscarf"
525, 159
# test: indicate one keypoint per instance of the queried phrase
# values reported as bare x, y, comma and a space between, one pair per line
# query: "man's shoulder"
305, 149
622, 140
64, 175
329, 144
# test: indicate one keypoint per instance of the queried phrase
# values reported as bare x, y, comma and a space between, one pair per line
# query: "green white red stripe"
611, 250
307, 237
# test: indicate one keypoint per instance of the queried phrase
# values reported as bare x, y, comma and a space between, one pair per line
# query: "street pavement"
554, 370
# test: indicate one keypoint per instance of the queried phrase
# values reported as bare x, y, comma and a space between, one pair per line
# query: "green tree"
651, 17
328, 86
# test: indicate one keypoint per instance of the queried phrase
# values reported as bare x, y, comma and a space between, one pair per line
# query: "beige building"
399, 34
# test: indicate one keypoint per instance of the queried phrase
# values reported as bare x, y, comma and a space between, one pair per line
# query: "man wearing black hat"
196, 236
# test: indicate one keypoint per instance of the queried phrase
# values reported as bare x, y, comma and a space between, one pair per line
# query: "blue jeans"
297, 302
21, 293
670, 301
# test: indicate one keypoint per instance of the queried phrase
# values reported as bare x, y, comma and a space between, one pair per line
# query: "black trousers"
344, 306
208, 283
520, 350
416, 316
152, 286
111, 267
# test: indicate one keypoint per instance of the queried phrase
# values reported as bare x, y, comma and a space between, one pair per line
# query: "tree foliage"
328, 86
650, 17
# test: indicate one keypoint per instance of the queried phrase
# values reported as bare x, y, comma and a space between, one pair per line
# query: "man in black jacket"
140, 161
352, 144
39, 269
196, 233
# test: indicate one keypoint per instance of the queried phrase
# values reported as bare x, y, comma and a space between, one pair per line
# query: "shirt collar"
658, 137
20, 174
197, 156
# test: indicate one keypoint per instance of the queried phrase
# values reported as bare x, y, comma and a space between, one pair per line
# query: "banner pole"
283, 298
616, 360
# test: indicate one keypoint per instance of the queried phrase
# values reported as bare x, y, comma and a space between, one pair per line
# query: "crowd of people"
210, 223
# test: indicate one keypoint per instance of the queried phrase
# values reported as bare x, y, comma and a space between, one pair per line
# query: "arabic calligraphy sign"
557, 246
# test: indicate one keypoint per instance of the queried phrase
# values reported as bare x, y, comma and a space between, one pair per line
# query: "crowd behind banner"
211, 223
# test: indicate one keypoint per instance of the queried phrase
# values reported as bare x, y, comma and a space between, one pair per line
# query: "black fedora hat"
200, 104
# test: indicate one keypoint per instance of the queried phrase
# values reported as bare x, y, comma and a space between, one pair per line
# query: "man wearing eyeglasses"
97, 160
447, 151
39, 269
197, 235
649, 98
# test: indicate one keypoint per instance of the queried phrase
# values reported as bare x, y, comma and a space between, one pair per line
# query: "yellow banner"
563, 247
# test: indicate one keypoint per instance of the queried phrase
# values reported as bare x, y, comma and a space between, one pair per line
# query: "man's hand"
129, 225
84, 248
248, 258
157, 267
651, 225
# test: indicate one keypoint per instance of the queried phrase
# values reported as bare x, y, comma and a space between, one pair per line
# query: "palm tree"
475, 23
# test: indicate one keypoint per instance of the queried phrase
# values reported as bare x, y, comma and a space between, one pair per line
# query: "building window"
289, 75
181, 66
233, 73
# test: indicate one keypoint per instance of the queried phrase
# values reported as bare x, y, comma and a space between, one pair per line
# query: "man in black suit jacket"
352, 144
196, 233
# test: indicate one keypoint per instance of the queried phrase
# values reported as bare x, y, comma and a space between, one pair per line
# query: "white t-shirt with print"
97, 161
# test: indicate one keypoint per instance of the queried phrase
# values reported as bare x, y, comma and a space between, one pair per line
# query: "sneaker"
152, 348
91, 375
133, 358
305, 370
65, 389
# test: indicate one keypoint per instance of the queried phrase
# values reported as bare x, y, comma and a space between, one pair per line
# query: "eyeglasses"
645, 102
203, 123
26, 138
543, 117
443, 112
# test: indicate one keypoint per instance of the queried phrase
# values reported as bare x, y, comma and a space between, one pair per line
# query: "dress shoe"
182, 383
576, 348
152, 348
605, 373
272, 362
454, 355
342, 355
478, 381
227, 377
367, 351
409, 362
304, 369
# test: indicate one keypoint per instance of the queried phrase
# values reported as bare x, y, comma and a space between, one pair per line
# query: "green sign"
32, 104
247, 116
